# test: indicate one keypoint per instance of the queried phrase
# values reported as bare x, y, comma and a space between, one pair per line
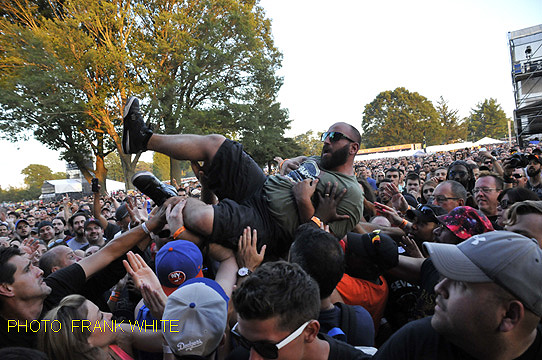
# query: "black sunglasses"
267, 349
164, 234
335, 136
517, 176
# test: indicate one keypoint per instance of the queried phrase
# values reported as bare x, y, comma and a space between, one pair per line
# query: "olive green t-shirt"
283, 208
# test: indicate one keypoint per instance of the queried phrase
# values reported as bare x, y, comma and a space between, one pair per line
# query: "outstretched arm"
119, 246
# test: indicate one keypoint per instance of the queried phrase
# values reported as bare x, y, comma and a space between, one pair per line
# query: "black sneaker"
135, 134
149, 185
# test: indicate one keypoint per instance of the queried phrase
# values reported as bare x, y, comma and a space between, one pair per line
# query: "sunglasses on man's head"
265, 348
335, 136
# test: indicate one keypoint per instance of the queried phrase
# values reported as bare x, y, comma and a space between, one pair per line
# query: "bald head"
57, 258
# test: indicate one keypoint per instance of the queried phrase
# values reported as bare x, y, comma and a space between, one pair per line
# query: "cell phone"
94, 183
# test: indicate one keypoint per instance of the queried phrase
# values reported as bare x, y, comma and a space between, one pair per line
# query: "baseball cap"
44, 223
197, 314
370, 255
92, 221
465, 222
176, 262
534, 157
510, 260
20, 221
121, 212
426, 213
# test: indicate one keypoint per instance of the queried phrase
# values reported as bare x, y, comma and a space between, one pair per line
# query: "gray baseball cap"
510, 260
196, 315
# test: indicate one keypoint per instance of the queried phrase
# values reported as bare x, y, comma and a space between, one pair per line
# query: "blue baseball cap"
176, 262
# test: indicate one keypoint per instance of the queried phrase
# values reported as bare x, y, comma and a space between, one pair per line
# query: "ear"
461, 202
515, 312
354, 147
311, 331
55, 268
6, 290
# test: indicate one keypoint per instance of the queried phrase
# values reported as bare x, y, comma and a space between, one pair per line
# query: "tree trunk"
101, 174
175, 170
128, 168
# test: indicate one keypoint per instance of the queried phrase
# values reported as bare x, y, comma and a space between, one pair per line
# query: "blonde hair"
66, 344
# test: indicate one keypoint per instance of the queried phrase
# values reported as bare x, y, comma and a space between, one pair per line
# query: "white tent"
487, 141
113, 185
61, 186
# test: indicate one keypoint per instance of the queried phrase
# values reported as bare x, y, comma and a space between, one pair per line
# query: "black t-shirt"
419, 341
339, 350
111, 230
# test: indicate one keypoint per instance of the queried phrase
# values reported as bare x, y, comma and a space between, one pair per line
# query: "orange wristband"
178, 232
403, 224
316, 221
281, 163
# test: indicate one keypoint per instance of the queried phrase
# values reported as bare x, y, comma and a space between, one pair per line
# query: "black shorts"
237, 181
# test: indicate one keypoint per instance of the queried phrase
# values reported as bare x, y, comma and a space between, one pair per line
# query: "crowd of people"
428, 257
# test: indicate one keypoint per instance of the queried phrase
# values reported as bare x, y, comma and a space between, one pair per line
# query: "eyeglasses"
442, 198
267, 349
428, 190
485, 190
335, 136
518, 176
164, 234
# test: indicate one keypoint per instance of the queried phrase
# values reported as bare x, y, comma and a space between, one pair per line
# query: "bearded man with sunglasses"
273, 205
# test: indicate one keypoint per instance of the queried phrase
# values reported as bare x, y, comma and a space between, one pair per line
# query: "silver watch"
244, 271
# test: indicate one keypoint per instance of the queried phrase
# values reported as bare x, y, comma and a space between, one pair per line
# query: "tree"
452, 127
34, 177
66, 74
211, 66
309, 143
69, 65
399, 117
487, 119
114, 167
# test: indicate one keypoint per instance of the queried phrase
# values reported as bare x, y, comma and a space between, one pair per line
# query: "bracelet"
178, 232
114, 296
317, 221
281, 163
145, 229
403, 224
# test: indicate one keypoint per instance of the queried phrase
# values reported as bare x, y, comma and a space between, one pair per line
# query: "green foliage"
487, 119
399, 117
114, 167
309, 143
69, 65
36, 174
143, 166
160, 166
452, 129
14, 194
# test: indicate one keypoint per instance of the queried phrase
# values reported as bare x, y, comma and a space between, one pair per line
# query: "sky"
338, 56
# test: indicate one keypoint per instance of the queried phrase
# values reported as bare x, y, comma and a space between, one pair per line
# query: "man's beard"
337, 158
532, 171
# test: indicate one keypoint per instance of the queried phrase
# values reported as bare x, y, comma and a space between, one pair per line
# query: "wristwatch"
244, 271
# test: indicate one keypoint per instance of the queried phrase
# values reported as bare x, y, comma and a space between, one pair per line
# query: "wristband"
178, 232
145, 229
282, 163
317, 221
403, 224
114, 296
